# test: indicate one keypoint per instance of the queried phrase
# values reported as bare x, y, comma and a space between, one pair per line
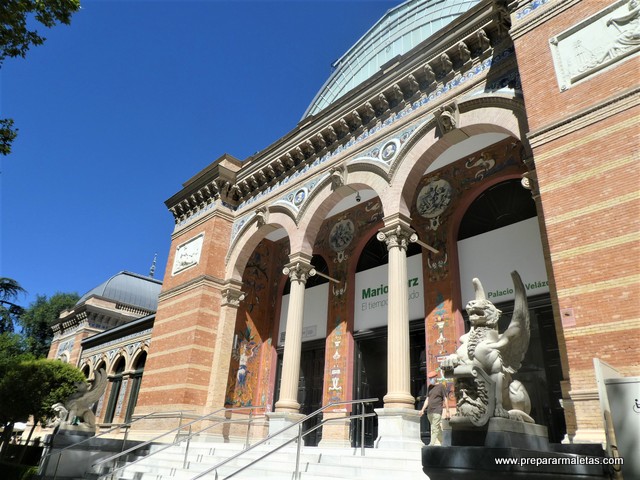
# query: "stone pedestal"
479, 453
398, 429
84, 450
279, 421
335, 432
487, 463
499, 432
81, 431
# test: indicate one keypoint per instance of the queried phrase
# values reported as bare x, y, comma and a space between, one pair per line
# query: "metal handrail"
298, 438
188, 439
44, 460
178, 439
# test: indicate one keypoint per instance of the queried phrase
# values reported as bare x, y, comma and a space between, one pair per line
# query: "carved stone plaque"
187, 254
590, 46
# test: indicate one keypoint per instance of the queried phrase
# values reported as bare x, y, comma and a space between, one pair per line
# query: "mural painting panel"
252, 356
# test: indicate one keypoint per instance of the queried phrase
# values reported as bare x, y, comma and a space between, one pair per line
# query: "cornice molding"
596, 113
200, 281
466, 44
190, 223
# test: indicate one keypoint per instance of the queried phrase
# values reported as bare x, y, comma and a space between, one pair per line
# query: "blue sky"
120, 108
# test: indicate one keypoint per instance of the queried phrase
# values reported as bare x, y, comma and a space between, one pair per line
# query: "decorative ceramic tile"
530, 8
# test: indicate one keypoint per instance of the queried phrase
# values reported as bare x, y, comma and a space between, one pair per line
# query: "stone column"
287, 407
299, 270
398, 421
397, 237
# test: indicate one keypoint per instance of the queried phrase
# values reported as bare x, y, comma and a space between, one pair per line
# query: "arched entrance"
501, 224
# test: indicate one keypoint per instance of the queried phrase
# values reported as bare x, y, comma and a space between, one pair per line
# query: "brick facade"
585, 146
484, 102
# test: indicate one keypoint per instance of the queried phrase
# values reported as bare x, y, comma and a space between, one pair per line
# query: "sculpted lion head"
482, 313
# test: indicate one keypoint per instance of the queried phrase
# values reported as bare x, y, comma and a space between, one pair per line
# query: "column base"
335, 433
398, 401
287, 406
398, 429
281, 420
584, 435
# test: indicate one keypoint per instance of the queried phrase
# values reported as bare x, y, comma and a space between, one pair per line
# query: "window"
116, 385
136, 380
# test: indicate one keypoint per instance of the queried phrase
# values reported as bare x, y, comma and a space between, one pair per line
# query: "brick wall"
179, 366
585, 146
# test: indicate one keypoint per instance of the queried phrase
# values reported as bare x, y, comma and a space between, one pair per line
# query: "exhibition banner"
492, 256
372, 294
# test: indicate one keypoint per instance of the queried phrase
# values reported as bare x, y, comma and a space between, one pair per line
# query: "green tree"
12, 351
12, 347
17, 35
9, 310
7, 135
37, 319
29, 387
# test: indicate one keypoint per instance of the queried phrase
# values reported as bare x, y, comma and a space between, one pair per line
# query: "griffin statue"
76, 411
484, 363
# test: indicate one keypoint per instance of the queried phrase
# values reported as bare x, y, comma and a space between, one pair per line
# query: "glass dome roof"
398, 31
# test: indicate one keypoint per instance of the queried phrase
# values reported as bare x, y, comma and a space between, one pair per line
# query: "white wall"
371, 298
492, 256
316, 309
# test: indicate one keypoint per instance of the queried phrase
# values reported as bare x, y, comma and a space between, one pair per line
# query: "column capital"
300, 268
398, 235
232, 295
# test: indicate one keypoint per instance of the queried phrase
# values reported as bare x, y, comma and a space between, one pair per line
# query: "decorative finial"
152, 270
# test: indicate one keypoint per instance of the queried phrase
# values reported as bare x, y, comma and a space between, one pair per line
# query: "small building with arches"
110, 328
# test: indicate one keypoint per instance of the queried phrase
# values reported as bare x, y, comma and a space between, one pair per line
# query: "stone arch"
101, 362
142, 349
257, 219
486, 114
116, 359
248, 240
325, 198
86, 367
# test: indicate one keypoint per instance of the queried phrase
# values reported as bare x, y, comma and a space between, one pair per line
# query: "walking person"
434, 403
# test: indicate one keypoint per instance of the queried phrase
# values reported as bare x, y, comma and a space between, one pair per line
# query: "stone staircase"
316, 463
